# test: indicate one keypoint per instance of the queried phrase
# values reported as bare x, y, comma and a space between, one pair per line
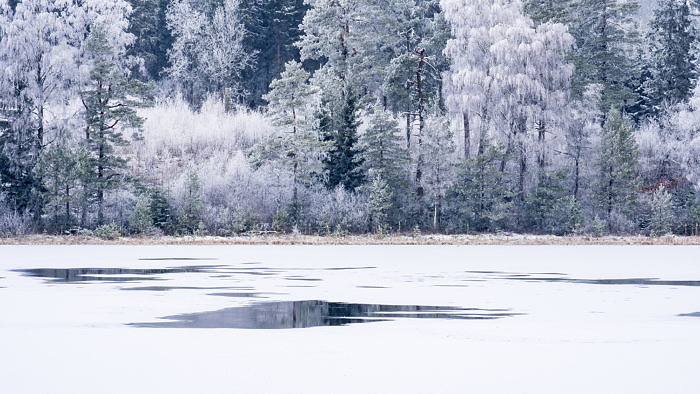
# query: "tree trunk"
421, 124
467, 134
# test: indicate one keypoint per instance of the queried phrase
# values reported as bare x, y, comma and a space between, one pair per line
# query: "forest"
225, 117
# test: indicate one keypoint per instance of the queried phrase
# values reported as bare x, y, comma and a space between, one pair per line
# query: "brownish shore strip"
500, 239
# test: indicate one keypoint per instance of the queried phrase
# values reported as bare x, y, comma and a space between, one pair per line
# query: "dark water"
629, 281
695, 314
105, 274
302, 314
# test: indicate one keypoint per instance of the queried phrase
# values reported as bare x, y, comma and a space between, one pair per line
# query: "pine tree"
673, 72
384, 155
109, 107
617, 183
382, 149
296, 149
140, 220
344, 161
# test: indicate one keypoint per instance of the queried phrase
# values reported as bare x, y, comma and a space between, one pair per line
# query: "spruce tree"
543, 11
63, 170
344, 162
152, 38
273, 28
481, 198
606, 36
672, 71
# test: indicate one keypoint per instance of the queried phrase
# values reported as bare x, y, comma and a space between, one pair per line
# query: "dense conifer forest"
323, 117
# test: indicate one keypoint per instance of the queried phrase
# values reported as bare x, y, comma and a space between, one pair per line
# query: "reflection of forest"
300, 314
110, 274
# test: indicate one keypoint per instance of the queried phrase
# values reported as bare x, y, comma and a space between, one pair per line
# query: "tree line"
457, 116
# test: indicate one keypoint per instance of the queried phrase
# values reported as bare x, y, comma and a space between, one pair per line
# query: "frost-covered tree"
506, 77
439, 148
39, 58
208, 55
661, 213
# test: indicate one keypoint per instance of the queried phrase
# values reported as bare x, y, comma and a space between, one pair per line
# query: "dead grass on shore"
484, 239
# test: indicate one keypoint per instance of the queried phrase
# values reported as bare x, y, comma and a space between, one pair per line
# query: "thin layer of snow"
568, 337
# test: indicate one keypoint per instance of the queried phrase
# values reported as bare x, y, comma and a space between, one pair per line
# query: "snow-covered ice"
584, 319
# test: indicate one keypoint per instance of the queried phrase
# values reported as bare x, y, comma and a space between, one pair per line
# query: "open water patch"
68, 275
314, 313
622, 281
694, 314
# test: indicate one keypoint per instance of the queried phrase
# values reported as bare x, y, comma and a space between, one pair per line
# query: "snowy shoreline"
431, 239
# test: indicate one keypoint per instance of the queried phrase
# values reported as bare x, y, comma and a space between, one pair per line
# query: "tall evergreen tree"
344, 161
672, 52
384, 155
606, 37
273, 28
152, 38
109, 107
617, 182
296, 149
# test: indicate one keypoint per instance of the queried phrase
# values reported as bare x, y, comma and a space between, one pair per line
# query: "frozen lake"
86, 319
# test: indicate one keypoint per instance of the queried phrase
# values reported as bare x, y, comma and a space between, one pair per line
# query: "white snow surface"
578, 337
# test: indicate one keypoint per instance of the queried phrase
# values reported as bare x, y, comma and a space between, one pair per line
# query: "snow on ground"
588, 319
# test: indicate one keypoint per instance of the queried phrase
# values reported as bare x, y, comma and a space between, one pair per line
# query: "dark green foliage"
672, 71
543, 11
605, 40
161, 212
481, 199
273, 28
617, 182
17, 160
344, 163
548, 207
64, 171
153, 39
384, 154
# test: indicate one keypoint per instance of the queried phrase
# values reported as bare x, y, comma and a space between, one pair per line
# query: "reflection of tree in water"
301, 314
